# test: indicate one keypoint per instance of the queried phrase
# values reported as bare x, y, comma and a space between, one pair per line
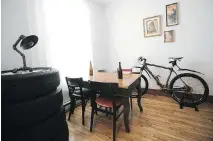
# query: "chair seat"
107, 102
86, 93
84, 90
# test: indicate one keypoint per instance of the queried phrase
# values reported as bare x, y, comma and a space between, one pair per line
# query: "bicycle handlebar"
141, 59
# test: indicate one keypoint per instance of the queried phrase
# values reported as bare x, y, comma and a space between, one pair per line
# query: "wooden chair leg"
109, 116
96, 109
70, 112
83, 110
106, 111
110, 109
114, 123
92, 117
72, 107
93, 98
131, 102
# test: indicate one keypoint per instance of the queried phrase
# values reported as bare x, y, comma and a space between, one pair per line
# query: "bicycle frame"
148, 71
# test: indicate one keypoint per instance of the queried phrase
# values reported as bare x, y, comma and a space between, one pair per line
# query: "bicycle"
183, 92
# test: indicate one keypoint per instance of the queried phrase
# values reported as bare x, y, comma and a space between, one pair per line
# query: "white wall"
99, 36
193, 35
17, 19
14, 23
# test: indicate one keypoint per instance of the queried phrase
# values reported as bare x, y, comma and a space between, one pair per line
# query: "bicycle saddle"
176, 58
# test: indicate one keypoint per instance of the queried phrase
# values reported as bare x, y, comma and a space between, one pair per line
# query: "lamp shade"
29, 42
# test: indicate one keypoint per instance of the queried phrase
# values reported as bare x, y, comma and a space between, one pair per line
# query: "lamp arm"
19, 39
19, 52
23, 57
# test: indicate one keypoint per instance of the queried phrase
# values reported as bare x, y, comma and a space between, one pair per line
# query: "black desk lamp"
26, 43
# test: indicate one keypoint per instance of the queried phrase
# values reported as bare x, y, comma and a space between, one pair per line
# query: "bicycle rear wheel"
188, 88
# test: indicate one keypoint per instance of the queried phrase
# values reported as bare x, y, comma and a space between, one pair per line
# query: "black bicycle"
188, 89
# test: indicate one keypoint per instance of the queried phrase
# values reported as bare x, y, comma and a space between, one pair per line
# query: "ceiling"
103, 2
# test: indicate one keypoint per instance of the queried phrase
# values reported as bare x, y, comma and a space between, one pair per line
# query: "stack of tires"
32, 106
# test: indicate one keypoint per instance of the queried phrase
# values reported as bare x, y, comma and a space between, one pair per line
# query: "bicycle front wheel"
144, 85
188, 88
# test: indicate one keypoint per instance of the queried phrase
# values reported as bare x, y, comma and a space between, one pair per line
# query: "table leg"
125, 101
139, 95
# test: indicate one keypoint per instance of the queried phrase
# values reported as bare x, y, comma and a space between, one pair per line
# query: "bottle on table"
90, 69
119, 71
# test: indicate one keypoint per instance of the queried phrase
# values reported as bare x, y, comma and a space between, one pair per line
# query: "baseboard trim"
161, 93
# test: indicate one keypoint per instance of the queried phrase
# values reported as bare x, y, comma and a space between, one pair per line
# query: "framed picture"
169, 36
152, 26
172, 14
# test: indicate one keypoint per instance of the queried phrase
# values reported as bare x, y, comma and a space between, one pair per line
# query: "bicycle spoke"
189, 85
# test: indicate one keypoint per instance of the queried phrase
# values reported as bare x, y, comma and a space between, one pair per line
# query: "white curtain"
69, 36
65, 34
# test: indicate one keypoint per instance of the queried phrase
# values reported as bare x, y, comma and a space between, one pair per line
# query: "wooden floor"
161, 120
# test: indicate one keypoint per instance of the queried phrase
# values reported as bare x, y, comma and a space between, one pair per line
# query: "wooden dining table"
126, 86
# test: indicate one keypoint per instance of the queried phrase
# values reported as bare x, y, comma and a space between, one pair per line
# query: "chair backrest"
74, 83
106, 89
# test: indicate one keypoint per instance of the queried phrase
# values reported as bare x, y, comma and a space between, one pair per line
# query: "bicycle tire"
145, 89
24, 115
205, 94
25, 86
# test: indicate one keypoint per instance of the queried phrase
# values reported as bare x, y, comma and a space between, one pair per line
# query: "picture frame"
168, 36
172, 17
152, 26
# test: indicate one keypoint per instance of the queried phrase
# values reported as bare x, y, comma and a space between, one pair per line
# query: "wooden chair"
106, 99
77, 92
110, 109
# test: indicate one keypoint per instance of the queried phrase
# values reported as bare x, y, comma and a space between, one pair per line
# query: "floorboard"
161, 120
